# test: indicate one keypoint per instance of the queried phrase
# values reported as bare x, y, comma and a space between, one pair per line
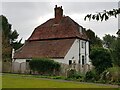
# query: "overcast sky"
25, 16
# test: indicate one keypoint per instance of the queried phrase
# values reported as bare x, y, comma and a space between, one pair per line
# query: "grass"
0, 80
29, 81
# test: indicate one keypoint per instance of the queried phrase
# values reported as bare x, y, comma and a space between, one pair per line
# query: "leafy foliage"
111, 75
14, 35
72, 74
116, 52
8, 38
109, 40
17, 44
101, 59
44, 65
105, 15
95, 41
91, 76
6, 47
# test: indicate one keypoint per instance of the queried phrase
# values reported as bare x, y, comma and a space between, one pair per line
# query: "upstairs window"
83, 44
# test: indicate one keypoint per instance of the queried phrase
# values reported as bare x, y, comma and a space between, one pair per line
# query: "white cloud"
60, 1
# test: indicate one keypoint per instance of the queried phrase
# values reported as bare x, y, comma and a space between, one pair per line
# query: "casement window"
83, 60
70, 62
83, 44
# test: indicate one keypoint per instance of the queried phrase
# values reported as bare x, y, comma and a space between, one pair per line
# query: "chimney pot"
55, 6
58, 13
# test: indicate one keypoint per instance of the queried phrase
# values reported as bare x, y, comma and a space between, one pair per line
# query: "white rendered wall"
60, 60
20, 60
73, 53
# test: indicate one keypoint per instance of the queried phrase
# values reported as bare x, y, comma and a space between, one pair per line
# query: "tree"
8, 38
16, 45
98, 42
101, 59
6, 30
91, 35
95, 41
109, 40
105, 15
116, 52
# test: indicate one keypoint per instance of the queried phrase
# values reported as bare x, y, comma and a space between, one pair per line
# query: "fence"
6, 67
16, 67
77, 67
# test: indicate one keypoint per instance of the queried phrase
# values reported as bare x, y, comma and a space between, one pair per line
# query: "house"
60, 38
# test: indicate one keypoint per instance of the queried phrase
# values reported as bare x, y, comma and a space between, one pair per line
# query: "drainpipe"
79, 52
80, 68
85, 52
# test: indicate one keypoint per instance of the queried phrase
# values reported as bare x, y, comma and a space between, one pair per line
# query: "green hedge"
44, 65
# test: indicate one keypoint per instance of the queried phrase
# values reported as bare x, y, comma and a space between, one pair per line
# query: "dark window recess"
83, 60
82, 44
70, 62
27, 60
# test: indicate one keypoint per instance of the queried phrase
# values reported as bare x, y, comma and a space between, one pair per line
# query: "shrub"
74, 75
111, 75
101, 59
44, 65
71, 73
57, 77
91, 76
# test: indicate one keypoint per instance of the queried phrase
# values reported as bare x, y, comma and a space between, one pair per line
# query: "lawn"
27, 81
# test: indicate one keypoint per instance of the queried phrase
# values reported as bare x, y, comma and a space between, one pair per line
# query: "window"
83, 44
27, 60
70, 62
83, 60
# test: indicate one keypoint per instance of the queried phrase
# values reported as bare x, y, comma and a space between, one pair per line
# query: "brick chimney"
58, 13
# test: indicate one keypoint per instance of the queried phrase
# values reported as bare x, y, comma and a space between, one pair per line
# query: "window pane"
70, 62
83, 60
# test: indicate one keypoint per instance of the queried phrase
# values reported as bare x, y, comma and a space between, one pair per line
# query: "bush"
101, 59
91, 76
44, 65
111, 75
72, 74
57, 77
